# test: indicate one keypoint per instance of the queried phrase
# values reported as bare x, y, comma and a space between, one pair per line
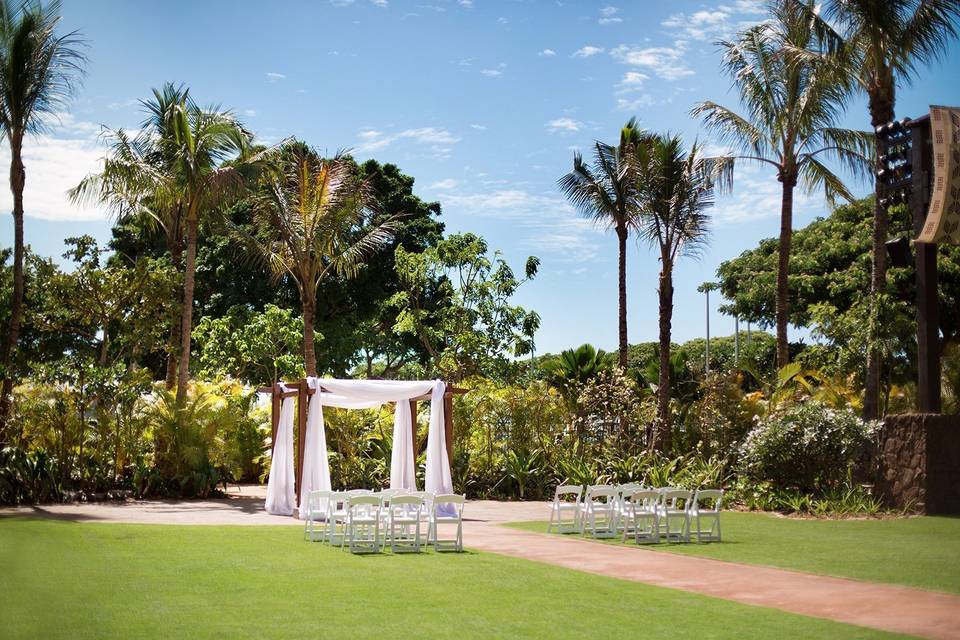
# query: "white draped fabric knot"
358, 394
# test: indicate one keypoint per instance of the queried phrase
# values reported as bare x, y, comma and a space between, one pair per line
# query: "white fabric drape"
316, 465
438, 479
281, 497
381, 390
402, 458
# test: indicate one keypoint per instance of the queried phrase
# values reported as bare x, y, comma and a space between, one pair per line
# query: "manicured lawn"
919, 552
117, 580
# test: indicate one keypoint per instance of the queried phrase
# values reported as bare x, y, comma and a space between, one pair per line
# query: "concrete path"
891, 608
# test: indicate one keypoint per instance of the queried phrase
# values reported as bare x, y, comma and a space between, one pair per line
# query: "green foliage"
259, 347
571, 369
455, 300
806, 446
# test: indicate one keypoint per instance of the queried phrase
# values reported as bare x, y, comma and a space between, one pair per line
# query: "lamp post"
706, 288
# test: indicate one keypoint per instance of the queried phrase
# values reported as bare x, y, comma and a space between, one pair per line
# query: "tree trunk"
309, 349
175, 246
186, 315
881, 105
662, 432
622, 283
18, 178
783, 269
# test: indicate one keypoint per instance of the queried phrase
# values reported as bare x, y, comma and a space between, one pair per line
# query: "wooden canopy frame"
302, 391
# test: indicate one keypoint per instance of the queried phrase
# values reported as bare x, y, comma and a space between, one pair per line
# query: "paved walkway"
890, 608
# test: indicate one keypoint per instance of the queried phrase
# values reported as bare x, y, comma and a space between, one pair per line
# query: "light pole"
706, 288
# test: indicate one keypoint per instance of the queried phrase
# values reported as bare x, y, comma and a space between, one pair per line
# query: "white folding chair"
714, 499
599, 515
316, 521
624, 491
363, 524
405, 515
641, 516
674, 511
338, 504
437, 518
566, 500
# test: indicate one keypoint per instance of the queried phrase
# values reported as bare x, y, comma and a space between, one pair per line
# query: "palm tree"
674, 191
133, 169
882, 43
38, 74
604, 194
313, 219
793, 104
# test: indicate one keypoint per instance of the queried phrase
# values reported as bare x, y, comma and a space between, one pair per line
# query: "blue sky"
483, 102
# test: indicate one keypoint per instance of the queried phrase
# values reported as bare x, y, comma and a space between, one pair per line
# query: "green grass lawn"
123, 580
919, 552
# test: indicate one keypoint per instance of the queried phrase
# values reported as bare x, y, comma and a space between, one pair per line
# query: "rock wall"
919, 462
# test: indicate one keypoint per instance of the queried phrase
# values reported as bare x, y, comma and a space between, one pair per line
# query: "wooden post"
448, 425
301, 432
277, 389
413, 435
928, 308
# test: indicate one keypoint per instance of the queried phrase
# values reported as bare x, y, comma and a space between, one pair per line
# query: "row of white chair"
633, 510
366, 521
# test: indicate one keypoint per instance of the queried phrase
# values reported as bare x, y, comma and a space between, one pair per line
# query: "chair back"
672, 499
338, 501
605, 492
317, 501
567, 493
644, 499
449, 498
713, 497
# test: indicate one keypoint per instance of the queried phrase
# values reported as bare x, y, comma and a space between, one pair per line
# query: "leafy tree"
604, 193
258, 347
309, 212
832, 263
675, 189
456, 301
793, 104
572, 368
38, 74
882, 43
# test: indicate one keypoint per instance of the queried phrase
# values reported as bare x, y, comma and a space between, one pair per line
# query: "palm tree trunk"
881, 104
175, 245
622, 283
309, 348
783, 269
186, 315
662, 433
18, 178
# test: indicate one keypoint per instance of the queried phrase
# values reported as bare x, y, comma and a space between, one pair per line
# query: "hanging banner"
943, 218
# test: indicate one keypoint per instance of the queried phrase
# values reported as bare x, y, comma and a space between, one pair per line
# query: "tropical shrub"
806, 446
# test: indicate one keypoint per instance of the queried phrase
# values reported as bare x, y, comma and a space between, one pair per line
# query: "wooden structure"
302, 391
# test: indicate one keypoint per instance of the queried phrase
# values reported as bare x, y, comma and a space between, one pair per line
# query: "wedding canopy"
288, 484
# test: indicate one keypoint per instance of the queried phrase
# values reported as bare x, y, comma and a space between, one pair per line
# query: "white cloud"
55, 162
379, 3
564, 125
468, 4
632, 81
756, 196
587, 51
273, 76
608, 15
545, 223
502, 20
665, 62
547, 53
123, 104
636, 103
479, 127
250, 113
443, 185
491, 73
717, 22
439, 138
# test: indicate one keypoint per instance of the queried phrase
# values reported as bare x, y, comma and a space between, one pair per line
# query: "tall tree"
674, 191
311, 216
133, 169
883, 43
39, 70
603, 193
792, 106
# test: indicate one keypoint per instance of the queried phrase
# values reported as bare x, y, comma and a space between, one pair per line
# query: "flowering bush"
806, 446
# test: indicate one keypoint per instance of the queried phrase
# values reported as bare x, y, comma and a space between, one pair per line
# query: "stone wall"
919, 462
